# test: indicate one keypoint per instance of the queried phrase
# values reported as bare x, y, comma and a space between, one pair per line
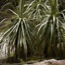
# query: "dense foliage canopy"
33, 28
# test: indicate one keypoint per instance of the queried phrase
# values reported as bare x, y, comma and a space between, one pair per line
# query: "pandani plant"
51, 31
17, 31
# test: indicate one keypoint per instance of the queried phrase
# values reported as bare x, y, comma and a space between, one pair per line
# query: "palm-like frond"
50, 29
19, 32
35, 9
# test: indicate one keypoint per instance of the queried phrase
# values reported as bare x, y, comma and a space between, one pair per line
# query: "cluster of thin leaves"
49, 30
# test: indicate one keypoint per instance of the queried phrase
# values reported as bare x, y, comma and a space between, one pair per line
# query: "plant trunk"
8, 50
16, 52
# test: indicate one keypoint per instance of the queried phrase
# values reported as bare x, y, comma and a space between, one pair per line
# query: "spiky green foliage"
19, 33
35, 9
50, 30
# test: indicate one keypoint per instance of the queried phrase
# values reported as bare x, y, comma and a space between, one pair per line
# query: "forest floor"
45, 62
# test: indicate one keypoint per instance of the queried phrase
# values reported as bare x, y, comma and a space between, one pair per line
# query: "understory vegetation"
32, 29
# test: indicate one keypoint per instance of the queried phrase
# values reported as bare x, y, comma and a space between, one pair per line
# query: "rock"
49, 62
